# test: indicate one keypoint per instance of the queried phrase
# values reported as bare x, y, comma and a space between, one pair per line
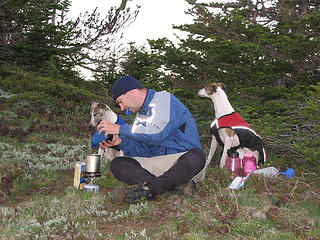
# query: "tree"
147, 66
254, 42
11, 26
42, 39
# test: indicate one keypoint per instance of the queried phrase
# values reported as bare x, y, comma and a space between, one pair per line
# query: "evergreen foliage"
35, 104
38, 36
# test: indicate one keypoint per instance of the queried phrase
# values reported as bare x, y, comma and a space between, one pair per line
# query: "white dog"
229, 129
99, 112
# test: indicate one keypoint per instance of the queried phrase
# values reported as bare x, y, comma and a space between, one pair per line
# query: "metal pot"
93, 163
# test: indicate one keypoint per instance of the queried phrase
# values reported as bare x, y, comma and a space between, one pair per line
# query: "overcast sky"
155, 18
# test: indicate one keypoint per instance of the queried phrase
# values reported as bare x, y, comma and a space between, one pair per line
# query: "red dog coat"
247, 135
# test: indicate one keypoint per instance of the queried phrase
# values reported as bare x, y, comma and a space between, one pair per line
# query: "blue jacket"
162, 126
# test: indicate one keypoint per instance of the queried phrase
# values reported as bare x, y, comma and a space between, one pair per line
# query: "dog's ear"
93, 105
211, 88
222, 85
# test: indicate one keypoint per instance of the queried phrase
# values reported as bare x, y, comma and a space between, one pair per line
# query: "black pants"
128, 170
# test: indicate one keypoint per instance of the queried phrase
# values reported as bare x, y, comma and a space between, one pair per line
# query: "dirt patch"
165, 209
9, 197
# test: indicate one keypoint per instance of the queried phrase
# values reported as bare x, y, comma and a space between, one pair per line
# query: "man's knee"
120, 165
115, 165
196, 158
199, 155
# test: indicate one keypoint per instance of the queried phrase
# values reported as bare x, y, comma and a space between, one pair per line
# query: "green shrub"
312, 110
310, 140
32, 83
37, 102
273, 92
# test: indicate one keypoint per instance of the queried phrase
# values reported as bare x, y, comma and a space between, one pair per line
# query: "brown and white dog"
229, 129
99, 112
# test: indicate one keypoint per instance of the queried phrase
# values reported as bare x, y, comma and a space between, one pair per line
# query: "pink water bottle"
249, 163
233, 163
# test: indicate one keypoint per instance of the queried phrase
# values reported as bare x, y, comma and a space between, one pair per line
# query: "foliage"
310, 145
255, 43
271, 71
32, 104
245, 43
38, 36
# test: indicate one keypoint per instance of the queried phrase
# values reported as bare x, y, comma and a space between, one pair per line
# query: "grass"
40, 203
38, 152
37, 200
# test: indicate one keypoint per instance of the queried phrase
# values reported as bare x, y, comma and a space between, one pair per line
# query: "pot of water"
93, 163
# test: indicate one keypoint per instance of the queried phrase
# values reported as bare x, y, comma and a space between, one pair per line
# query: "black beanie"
123, 85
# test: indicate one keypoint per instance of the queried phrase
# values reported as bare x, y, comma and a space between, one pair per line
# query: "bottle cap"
232, 153
248, 155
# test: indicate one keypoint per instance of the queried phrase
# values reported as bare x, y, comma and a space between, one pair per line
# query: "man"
162, 149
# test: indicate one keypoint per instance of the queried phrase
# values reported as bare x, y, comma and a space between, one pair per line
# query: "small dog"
229, 129
99, 112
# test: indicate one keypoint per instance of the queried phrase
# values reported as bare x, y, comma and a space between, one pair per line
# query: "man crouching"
162, 149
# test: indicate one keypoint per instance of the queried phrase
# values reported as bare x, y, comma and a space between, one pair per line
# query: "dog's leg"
262, 155
101, 152
213, 148
111, 153
230, 139
228, 143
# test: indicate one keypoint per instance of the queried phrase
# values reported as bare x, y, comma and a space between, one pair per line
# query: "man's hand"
115, 142
108, 127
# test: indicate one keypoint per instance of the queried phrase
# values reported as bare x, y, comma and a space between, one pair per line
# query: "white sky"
155, 18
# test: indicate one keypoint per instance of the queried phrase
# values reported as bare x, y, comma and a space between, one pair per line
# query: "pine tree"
255, 42
43, 39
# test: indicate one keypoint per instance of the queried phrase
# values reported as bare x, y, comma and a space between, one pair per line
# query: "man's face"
128, 100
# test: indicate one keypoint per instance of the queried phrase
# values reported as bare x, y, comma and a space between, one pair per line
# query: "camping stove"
91, 178
92, 173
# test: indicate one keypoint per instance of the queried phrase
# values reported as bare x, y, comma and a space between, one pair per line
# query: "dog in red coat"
229, 129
